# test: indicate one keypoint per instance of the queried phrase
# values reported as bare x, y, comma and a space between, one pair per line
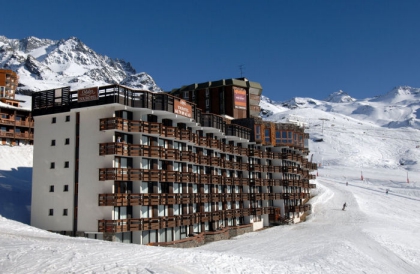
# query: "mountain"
339, 97
398, 108
45, 64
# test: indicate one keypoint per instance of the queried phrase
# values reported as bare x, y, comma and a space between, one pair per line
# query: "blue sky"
304, 48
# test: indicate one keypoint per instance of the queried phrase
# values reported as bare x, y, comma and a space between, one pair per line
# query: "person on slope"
344, 206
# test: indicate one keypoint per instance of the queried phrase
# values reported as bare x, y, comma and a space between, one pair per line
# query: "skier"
344, 206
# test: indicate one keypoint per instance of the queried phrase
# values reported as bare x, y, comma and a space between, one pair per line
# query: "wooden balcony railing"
153, 128
149, 199
141, 224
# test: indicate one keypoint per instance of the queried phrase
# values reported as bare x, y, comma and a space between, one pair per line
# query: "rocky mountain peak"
45, 64
339, 97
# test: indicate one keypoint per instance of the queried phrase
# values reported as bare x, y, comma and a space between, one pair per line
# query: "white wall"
43, 176
90, 161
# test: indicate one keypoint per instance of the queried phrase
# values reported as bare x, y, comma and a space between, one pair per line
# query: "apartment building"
16, 123
231, 98
133, 166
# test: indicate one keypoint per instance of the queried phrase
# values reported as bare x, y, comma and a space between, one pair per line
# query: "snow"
377, 233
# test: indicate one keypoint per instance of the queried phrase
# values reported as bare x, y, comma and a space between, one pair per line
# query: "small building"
133, 166
16, 123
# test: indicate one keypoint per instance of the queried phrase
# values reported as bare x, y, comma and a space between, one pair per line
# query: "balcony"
139, 224
7, 122
299, 208
290, 169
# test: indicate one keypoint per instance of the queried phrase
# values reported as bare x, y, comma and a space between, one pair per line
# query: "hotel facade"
133, 166
16, 123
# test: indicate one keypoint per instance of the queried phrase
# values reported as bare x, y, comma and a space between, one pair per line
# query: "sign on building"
182, 108
88, 94
240, 97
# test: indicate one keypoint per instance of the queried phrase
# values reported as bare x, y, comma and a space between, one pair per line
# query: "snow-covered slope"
398, 108
44, 64
376, 234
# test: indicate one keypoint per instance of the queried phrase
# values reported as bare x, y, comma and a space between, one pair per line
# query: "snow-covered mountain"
44, 64
339, 97
398, 108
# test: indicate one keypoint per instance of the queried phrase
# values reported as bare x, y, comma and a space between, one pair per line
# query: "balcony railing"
148, 199
120, 124
138, 224
18, 123
16, 135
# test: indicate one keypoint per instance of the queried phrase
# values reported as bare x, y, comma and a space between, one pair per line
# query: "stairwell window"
51, 212
66, 164
52, 143
66, 188
52, 165
53, 120
52, 188
68, 118
65, 212
67, 142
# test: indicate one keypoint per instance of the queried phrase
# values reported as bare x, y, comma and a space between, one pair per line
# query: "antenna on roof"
241, 67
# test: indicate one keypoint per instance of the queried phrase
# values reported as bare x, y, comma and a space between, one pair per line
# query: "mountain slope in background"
398, 108
45, 64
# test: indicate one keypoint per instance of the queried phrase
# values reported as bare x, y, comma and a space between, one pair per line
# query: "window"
278, 137
68, 118
267, 135
51, 212
65, 212
207, 102
257, 132
51, 188
186, 95
66, 164
284, 136
52, 143
67, 142
207, 92
52, 165
53, 120
66, 188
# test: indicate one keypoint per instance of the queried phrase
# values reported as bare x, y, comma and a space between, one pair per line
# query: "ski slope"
377, 233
